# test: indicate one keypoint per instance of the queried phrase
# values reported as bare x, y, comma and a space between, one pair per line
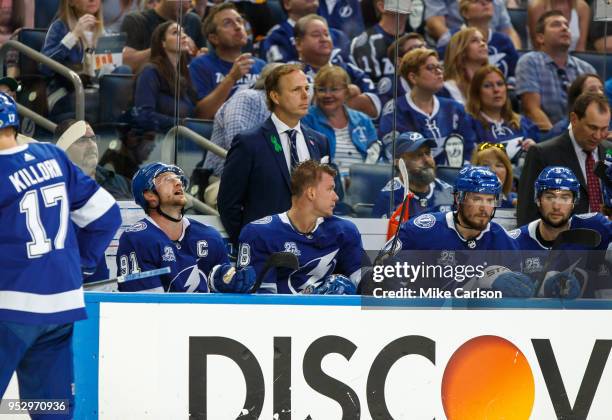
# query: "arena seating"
366, 183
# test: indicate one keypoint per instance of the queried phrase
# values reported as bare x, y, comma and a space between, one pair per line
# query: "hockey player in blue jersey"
328, 248
477, 192
420, 110
41, 293
556, 192
194, 252
430, 193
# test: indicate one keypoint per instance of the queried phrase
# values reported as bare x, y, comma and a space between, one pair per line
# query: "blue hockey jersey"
42, 196
438, 199
333, 247
437, 231
591, 268
448, 117
503, 132
144, 246
279, 44
208, 70
345, 15
526, 236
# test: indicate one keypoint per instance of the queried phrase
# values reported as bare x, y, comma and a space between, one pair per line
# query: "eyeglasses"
565, 83
487, 145
332, 90
434, 68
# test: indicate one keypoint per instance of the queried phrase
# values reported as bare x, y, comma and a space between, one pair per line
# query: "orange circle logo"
488, 377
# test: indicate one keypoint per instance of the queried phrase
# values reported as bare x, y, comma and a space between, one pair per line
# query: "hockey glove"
514, 284
563, 285
225, 278
336, 284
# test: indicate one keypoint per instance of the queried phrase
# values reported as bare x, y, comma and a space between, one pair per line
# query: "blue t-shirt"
208, 70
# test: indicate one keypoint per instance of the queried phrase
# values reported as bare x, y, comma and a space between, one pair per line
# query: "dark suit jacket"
557, 151
255, 179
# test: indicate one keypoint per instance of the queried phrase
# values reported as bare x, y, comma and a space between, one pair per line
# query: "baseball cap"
410, 141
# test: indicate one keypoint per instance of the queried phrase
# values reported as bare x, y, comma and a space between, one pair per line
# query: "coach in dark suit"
579, 148
256, 175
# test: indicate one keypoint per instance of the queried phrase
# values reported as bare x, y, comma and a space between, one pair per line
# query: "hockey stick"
587, 238
128, 277
384, 254
276, 260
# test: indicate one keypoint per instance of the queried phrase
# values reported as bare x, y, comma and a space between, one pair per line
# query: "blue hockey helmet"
557, 178
144, 180
477, 179
8, 112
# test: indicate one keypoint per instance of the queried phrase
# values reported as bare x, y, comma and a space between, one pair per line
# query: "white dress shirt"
300, 141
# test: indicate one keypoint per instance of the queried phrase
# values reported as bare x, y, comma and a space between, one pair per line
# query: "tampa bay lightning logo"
425, 221
311, 274
189, 280
346, 11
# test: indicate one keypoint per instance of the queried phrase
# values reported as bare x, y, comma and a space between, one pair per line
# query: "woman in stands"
587, 82
466, 52
494, 156
491, 110
71, 40
157, 86
352, 136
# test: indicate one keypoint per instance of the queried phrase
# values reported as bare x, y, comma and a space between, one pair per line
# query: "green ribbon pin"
277, 146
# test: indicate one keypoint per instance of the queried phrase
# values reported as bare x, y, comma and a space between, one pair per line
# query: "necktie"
292, 134
593, 187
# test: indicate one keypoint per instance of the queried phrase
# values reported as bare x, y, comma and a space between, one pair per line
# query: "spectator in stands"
405, 43
245, 110
423, 112
579, 148
14, 15
491, 111
588, 82
115, 11
220, 73
199, 7
139, 27
279, 44
543, 77
256, 175
600, 36
576, 12
442, 17
466, 53
478, 14
155, 94
136, 146
9, 86
83, 152
315, 48
494, 156
344, 15
430, 193
369, 49
351, 134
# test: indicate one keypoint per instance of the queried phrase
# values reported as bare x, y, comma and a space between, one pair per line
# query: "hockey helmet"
8, 112
478, 179
557, 178
144, 180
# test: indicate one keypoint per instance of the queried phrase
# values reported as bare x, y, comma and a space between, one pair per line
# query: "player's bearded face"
421, 166
556, 207
476, 210
169, 188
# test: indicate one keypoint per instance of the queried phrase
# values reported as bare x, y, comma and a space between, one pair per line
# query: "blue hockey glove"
226, 279
514, 284
336, 284
563, 284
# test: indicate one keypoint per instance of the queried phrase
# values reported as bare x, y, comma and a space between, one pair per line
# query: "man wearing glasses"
557, 190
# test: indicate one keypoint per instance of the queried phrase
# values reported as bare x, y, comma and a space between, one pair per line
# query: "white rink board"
144, 355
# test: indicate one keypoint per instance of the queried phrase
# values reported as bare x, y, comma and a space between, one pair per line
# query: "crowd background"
485, 71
